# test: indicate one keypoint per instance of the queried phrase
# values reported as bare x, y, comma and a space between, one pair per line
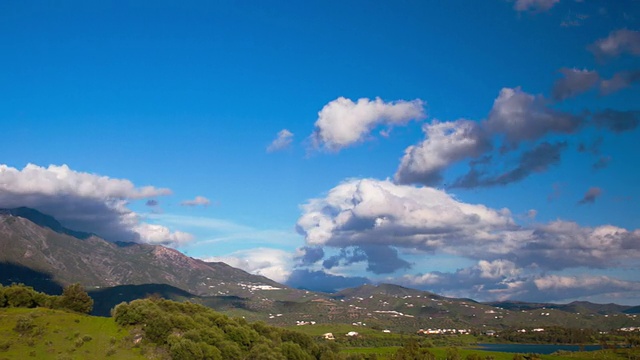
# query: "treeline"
551, 335
193, 331
73, 298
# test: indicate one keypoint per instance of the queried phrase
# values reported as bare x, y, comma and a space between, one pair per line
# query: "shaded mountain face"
43, 220
54, 255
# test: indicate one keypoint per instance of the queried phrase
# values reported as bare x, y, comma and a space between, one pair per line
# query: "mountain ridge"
113, 272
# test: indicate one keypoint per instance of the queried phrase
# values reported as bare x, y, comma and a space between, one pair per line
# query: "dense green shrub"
74, 298
192, 331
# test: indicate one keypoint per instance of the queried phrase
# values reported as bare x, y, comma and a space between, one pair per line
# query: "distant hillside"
45, 254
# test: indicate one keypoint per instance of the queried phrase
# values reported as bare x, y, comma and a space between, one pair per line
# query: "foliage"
73, 298
192, 331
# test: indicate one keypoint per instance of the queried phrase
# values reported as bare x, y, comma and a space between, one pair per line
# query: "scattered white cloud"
342, 122
521, 116
574, 82
198, 200
619, 81
445, 143
85, 202
618, 42
591, 195
534, 5
274, 264
282, 141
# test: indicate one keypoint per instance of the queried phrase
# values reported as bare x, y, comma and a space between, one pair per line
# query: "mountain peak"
44, 220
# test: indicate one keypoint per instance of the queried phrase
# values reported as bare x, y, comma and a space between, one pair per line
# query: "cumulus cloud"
619, 81
557, 287
485, 280
308, 255
574, 82
381, 259
274, 264
198, 200
362, 213
445, 143
617, 121
535, 160
282, 141
85, 202
562, 244
534, 5
509, 283
321, 281
618, 42
591, 195
521, 116
342, 122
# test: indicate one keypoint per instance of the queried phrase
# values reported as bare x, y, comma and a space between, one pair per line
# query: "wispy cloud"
197, 201
590, 196
281, 142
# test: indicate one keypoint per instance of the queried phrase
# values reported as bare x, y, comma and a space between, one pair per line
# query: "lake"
535, 348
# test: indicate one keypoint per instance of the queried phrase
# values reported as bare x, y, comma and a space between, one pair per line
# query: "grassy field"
51, 334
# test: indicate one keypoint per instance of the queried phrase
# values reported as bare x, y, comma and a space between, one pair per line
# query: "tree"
75, 298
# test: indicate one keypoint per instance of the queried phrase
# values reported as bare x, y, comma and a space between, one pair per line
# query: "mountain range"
35, 249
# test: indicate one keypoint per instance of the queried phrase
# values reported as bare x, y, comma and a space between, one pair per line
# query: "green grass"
53, 334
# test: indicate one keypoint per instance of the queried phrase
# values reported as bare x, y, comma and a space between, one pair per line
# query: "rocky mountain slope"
61, 256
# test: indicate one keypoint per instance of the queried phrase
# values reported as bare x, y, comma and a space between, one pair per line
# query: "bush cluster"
73, 298
192, 331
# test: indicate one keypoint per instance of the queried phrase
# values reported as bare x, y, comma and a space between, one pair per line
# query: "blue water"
535, 348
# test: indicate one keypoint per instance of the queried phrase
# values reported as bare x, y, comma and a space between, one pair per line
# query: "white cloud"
342, 122
509, 283
272, 263
574, 82
199, 200
619, 81
534, 5
85, 202
61, 180
282, 141
161, 235
521, 116
360, 213
445, 143
618, 42
372, 212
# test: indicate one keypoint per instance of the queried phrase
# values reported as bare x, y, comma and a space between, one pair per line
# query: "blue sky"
473, 148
